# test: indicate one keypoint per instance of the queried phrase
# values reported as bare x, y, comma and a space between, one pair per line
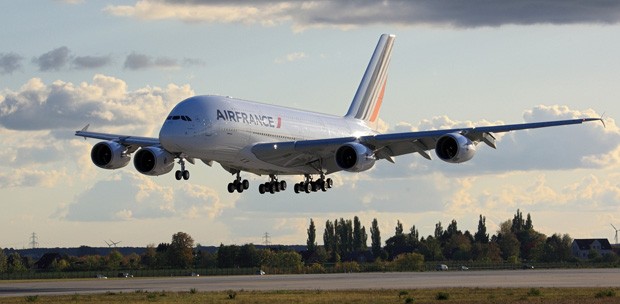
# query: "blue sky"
122, 65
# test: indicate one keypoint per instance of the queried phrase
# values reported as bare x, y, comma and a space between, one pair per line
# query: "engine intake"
153, 161
109, 155
455, 148
354, 157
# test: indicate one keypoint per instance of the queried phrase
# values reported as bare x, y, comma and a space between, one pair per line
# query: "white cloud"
126, 195
291, 57
104, 102
348, 14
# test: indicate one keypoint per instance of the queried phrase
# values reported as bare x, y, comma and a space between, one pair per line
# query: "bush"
32, 298
534, 292
605, 293
232, 294
409, 300
442, 296
409, 262
403, 293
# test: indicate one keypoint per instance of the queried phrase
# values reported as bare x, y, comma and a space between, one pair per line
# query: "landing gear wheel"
246, 184
239, 187
185, 175
296, 188
178, 175
261, 188
231, 188
282, 185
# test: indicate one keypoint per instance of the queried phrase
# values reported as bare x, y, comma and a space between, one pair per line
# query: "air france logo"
250, 119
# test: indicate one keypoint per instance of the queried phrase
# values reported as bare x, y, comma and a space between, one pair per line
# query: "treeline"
345, 247
515, 241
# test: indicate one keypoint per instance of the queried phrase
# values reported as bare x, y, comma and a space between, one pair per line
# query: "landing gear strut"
272, 186
308, 185
238, 185
184, 174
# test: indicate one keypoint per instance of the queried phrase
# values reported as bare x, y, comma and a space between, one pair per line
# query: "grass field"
449, 295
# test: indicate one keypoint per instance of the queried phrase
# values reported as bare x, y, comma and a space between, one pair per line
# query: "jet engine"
109, 155
354, 157
455, 148
153, 161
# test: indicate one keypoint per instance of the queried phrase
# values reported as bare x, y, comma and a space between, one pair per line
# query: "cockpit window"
179, 117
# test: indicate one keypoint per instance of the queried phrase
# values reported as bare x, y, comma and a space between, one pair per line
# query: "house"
581, 247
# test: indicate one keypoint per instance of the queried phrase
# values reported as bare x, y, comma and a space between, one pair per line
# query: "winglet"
369, 95
83, 130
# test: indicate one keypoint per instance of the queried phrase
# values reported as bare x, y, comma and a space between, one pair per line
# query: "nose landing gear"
181, 174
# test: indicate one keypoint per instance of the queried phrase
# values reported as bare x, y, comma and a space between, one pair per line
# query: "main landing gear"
184, 174
272, 186
308, 185
238, 185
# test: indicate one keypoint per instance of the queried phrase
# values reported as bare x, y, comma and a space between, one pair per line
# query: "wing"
131, 142
321, 152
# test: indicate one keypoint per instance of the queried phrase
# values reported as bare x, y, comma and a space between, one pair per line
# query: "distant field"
448, 295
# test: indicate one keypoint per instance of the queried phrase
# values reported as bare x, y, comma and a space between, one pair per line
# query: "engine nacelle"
153, 161
355, 157
455, 148
109, 155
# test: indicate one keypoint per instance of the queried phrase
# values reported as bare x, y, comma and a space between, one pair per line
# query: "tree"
114, 259
248, 256
414, 236
375, 237
15, 263
438, 231
481, 235
149, 257
399, 228
311, 242
359, 235
227, 256
3, 261
329, 237
181, 251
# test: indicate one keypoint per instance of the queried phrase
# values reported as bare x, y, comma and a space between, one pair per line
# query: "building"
581, 247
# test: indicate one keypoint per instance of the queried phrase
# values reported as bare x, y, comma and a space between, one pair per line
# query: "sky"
121, 66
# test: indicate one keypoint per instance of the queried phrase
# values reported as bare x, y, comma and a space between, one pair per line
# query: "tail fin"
369, 95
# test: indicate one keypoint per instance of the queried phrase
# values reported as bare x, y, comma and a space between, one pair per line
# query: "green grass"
446, 295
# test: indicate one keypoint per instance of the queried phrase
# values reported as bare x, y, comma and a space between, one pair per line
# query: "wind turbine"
111, 243
616, 238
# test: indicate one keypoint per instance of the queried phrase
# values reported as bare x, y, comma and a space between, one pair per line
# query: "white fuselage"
223, 129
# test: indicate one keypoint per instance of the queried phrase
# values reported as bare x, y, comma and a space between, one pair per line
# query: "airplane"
263, 139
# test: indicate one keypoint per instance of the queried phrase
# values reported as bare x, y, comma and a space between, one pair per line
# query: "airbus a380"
247, 136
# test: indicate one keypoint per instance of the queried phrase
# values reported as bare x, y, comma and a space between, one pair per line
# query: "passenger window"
175, 117
169, 118
188, 119
183, 118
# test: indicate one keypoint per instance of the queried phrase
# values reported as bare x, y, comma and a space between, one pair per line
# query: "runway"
565, 278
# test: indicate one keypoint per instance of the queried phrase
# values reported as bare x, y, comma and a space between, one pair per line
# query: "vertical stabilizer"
369, 95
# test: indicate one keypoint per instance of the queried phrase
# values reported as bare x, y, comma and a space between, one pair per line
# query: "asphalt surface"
565, 278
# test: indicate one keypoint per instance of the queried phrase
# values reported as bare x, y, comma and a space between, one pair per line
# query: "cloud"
104, 102
137, 61
554, 148
291, 57
91, 62
53, 60
346, 14
126, 195
9, 62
